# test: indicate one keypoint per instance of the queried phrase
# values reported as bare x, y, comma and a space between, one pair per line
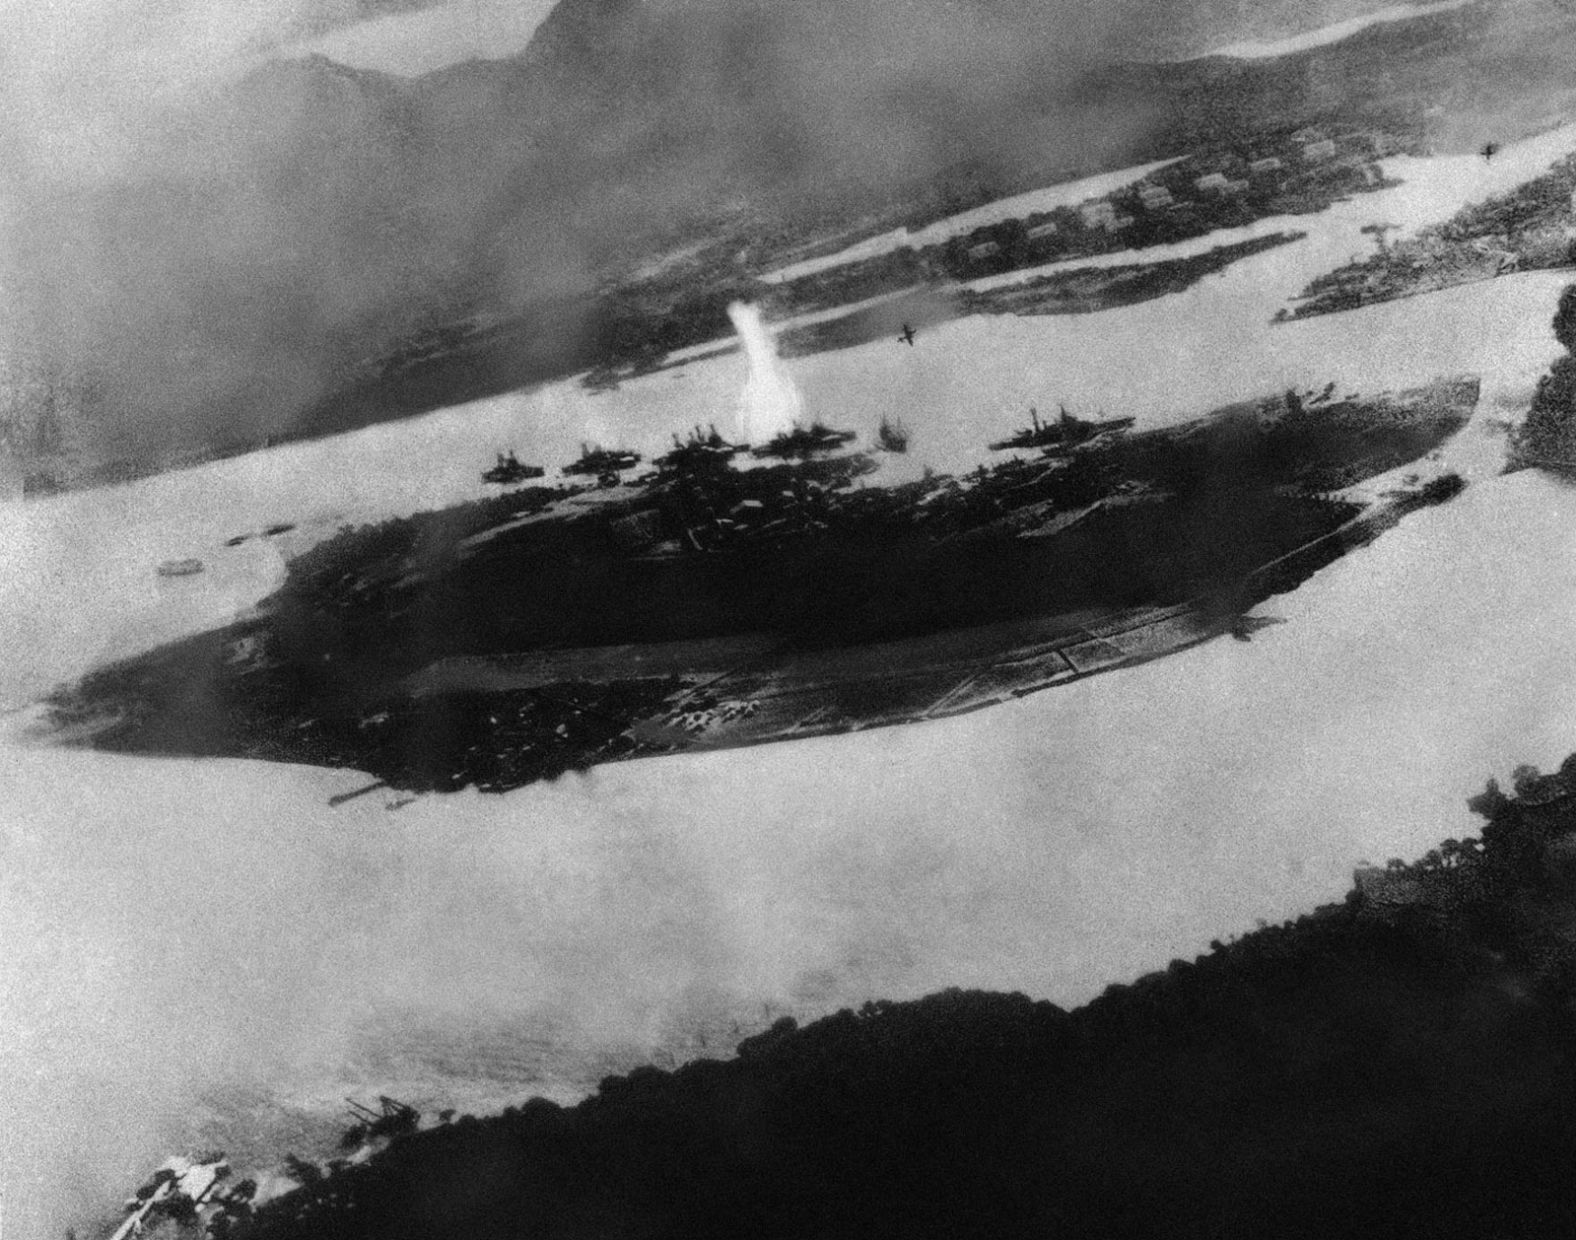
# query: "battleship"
1066, 431
727, 606
804, 441
509, 470
702, 450
601, 463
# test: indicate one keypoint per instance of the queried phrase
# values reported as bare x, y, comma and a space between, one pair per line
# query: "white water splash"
770, 402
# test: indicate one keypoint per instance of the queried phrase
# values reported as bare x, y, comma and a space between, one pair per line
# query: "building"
1382, 144
1097, 214
985, 249
1318, 152
1234, 187
1104, 216
1259, 167
1155, 197
1212, 182
1041, 231
1309, 134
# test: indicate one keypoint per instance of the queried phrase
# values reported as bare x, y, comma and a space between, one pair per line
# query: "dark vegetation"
1547, 436
369, 656
1398, 1065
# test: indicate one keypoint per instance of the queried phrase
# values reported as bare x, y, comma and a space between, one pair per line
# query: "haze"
213, 239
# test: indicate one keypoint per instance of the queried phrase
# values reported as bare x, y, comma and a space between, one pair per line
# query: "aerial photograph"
713, 619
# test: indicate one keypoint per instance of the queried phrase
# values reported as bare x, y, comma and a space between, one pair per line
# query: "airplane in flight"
1490, 149
907, 335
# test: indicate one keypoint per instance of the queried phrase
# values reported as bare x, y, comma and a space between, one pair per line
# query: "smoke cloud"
770, 402
216, 241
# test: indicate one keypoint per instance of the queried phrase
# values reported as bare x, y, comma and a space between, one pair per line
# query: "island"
721, 599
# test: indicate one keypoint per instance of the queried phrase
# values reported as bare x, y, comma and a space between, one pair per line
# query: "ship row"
706, 447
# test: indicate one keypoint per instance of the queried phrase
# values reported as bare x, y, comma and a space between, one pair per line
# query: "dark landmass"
1078, 290
511, 640
1086, 290
1532, 228
1397, 1065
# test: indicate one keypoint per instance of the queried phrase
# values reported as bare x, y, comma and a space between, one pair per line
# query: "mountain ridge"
315, 217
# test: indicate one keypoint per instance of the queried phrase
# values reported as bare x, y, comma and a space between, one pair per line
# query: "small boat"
179, 568
892, 436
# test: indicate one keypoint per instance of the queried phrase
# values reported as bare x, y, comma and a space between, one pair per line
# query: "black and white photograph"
787, 619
